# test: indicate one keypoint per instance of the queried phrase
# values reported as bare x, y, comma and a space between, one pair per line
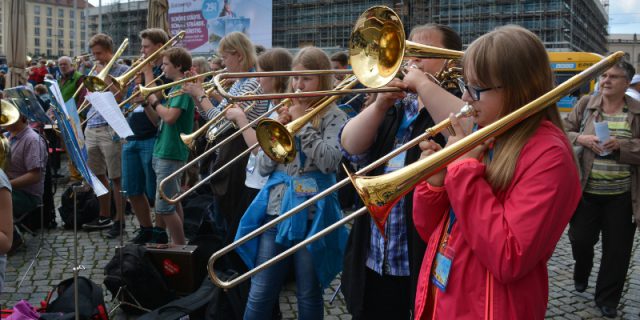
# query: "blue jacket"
327, 252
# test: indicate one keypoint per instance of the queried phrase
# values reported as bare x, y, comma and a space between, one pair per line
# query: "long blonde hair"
514, 59
312, 58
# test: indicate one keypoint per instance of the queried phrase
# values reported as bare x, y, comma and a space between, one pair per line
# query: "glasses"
474, 92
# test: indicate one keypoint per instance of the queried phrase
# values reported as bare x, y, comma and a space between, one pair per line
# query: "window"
72, 34
60, 53
36, 42
71, 44
36, 21
60, 33
36, 30
60, 13
48, 52
72, 24
49, 32
49, 42
49, 11
60, 44
36, 9
60, 23
49, 22
72, 14
37, 52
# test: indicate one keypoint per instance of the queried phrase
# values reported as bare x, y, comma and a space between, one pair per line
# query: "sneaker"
144, 235
98, 223
159, 236
114, 231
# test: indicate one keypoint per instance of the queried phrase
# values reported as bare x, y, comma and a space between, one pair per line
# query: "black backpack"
88, 207
143, 281
90, 300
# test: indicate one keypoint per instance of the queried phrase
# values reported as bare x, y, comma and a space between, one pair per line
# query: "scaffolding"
122, 20
563, 25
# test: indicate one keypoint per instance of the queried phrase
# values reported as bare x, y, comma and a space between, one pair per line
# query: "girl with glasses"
492, 218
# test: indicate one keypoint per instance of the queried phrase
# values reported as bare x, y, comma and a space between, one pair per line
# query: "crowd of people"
472, 241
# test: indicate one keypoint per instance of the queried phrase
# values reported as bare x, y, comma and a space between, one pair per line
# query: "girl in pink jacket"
493, 217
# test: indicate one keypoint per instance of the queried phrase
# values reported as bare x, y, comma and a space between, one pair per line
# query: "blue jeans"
138, 176
266, 285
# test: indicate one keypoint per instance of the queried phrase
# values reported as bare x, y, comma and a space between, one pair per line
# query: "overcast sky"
624, 15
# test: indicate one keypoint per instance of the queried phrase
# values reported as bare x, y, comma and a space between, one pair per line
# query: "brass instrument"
213, 149
122, 104
124, 79
378, 45
281, 147
79, 58
146, 91
209, 87
9, 114
189, 139
98, 82
381, 193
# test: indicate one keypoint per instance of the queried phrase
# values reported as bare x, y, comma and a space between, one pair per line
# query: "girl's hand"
461, 132
430, 147
237, 115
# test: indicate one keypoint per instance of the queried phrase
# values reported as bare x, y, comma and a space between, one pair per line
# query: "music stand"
122, 290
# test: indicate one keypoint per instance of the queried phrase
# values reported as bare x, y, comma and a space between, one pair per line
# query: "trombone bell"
275, 140
378, 45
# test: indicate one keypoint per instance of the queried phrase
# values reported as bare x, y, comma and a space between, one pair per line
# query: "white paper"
108, 108
57, 94
602, 132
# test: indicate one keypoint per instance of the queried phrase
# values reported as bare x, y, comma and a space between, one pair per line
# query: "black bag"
88, 207
90, 300
143, 281
228, 304
192, 305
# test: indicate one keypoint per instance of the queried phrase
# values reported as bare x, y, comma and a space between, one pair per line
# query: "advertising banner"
207, 21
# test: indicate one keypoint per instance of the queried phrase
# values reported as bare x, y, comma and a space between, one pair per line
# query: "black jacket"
353, 274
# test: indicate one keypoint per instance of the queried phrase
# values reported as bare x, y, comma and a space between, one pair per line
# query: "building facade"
563, 25
630, 44
56, 28
124, 19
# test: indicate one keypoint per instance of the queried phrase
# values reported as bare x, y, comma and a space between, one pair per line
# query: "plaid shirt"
391, 256
97, 120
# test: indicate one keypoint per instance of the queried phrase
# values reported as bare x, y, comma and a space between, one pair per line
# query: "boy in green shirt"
169, 153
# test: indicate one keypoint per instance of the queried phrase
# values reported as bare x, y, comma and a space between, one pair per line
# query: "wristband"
200, 98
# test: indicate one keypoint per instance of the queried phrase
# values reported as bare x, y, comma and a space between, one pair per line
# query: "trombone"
381, 193
98, 82
278, 148
189, 139
124, 79
145, 91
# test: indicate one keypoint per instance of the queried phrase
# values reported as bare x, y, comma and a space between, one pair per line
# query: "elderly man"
69, 79
27, 170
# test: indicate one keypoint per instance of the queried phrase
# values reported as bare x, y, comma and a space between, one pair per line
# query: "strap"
585, 114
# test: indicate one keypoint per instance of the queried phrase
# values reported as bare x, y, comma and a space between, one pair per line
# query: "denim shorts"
138, 176
163, 168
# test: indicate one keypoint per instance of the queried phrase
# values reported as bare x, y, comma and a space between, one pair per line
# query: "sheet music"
108, 108
72, 137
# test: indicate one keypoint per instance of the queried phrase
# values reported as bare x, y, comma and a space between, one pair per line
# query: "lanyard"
303, 157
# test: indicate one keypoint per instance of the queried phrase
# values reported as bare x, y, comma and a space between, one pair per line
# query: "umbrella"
157, 15
16, 23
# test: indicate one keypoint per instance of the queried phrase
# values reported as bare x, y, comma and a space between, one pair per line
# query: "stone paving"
55, 263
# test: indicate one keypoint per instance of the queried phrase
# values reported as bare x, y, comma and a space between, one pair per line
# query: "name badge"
304, 187
442, 267
397, 162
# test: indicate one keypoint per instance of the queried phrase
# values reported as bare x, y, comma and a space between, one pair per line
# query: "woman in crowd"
313, 169
492, 218
610, 182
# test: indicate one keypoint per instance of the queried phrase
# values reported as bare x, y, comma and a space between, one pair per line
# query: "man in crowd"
27, 170
103, 144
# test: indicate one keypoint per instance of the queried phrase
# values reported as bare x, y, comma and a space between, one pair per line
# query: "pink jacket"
502, 242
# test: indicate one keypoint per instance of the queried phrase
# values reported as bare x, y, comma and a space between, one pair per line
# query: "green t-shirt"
168, 145
70, 86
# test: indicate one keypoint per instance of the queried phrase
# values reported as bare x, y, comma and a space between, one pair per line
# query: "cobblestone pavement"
55, 263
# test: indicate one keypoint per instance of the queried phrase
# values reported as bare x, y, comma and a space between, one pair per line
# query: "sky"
624, 15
